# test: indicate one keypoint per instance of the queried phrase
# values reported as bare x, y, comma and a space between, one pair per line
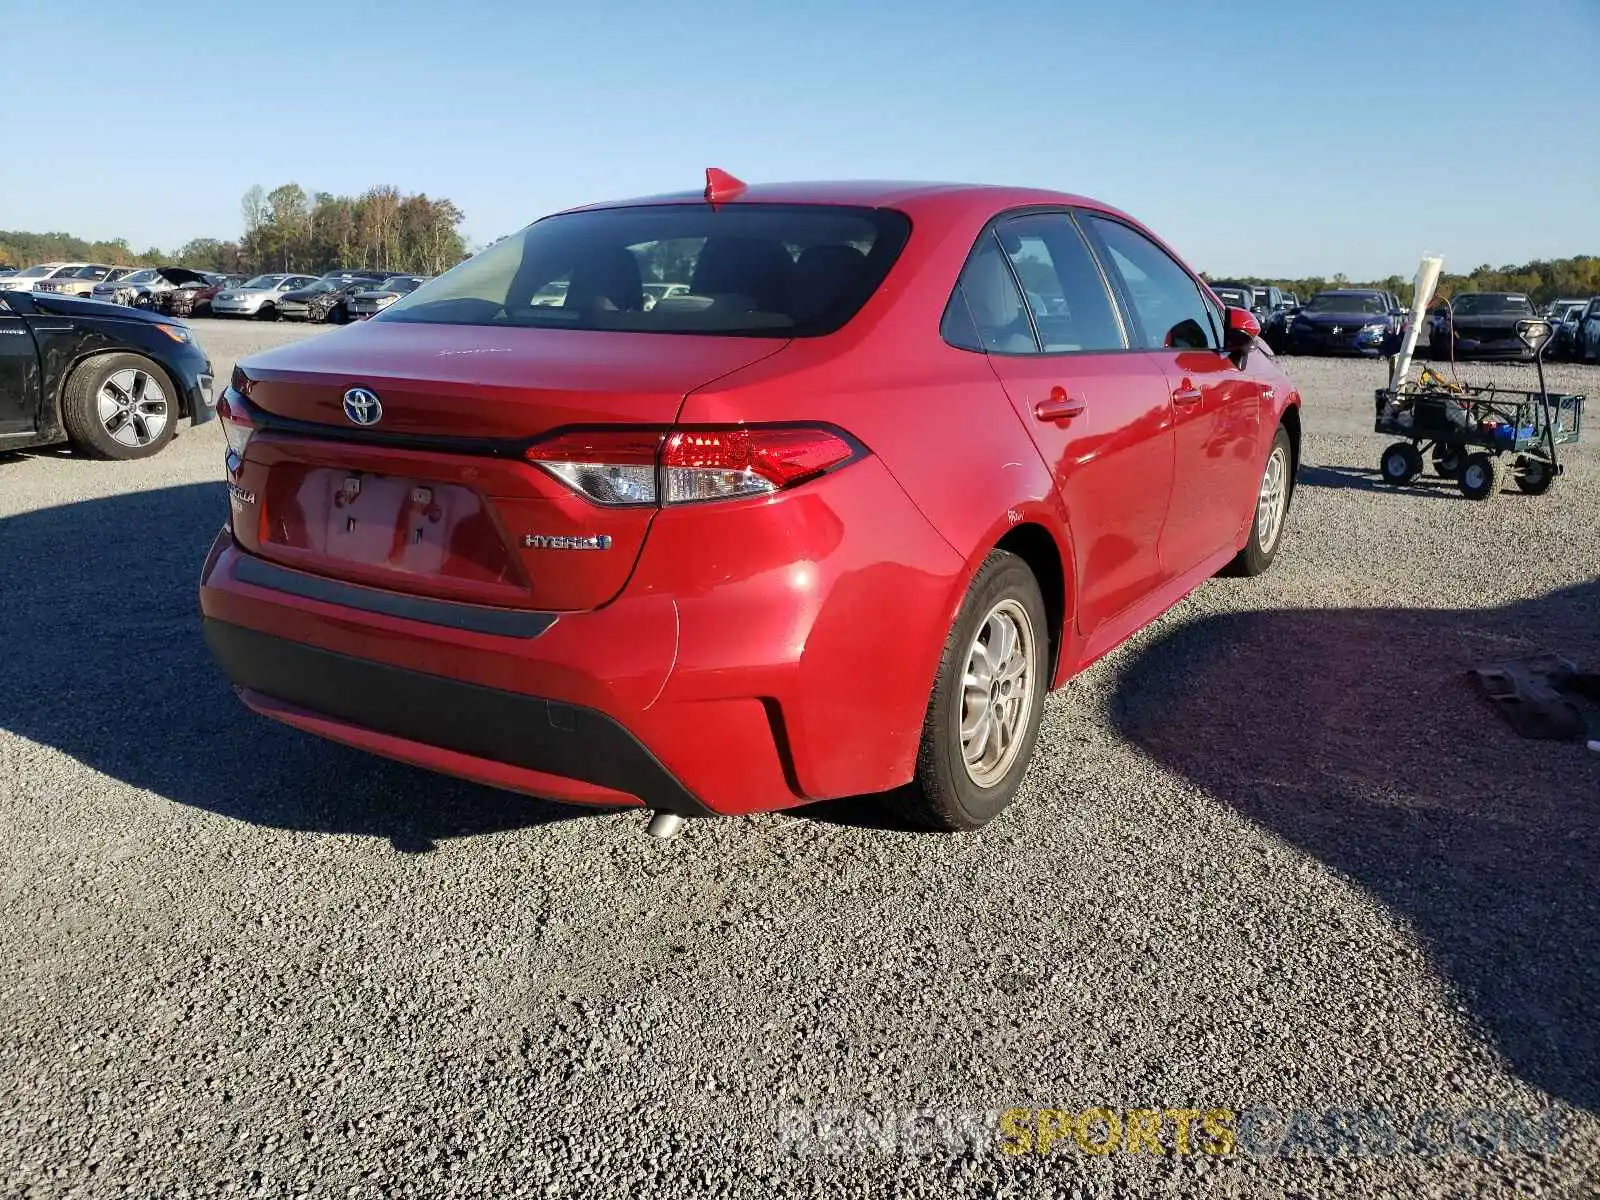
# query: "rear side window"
1071, 308
755, 270
987, 311
1166, 301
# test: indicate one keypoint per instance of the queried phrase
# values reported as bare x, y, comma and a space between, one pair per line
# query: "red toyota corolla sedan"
738, 500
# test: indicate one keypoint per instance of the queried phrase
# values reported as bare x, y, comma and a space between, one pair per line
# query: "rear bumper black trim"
562, 739
478, 618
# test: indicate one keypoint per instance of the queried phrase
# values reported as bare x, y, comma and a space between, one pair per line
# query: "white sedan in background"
26, 281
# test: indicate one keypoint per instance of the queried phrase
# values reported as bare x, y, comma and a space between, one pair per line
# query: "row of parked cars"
1368, 322
338, 296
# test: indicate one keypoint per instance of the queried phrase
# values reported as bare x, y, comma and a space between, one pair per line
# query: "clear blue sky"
1284, 138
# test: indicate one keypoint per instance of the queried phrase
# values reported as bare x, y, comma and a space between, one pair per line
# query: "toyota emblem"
362, 406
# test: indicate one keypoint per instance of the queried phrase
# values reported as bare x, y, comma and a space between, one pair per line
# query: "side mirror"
1242, 325
1242, 331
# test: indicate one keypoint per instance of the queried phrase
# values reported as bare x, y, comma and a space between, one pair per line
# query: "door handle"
1060, 406
1186, 396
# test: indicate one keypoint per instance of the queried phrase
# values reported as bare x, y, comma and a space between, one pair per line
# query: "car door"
1099, 416
19, 374
1216, 402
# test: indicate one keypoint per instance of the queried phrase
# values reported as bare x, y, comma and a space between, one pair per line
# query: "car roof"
951, 199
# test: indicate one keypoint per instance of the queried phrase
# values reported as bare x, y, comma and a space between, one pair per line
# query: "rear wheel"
1534, 475
983, 717
1400, 464
120, 406
1446, 462
1482, 476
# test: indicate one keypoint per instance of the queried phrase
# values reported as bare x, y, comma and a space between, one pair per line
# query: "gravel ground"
1273, 853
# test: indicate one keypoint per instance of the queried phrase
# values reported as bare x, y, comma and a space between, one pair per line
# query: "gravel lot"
1274, 853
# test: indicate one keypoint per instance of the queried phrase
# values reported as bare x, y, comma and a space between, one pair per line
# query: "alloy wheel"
1272, 500
997, 693
132, 407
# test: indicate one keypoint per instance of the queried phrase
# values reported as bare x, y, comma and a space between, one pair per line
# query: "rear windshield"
752, 270
1236, 297
1484, 305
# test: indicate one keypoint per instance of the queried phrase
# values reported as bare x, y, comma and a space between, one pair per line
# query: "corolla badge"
362, 406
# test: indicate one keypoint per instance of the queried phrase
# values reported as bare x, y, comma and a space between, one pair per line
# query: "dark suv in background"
1480, 325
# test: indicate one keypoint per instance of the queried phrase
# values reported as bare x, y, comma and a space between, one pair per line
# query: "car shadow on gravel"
104, 661
1366, 479
1356, 736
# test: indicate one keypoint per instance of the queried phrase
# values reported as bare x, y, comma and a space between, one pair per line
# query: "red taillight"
236, 428
685, 465
708, 464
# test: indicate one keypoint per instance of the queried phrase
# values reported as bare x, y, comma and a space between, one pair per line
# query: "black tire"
1259, 553
1446, 462
1534, 475
267, 312
80, 408
1482, 476
1400, 464
944, 794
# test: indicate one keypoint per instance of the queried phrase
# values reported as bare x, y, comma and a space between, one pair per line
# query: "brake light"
236, 428
681, 466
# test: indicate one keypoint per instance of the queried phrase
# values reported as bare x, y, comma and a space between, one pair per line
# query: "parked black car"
1566, 316
1480, 325
328, 298
1346, 321
111, 380
1234, 294
1267, 300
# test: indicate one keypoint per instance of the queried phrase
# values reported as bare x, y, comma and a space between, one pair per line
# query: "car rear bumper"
502, 738
763, 655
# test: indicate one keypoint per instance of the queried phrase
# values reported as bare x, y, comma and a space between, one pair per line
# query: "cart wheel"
1482, 476
1401, 463
1446, 462
1534, 475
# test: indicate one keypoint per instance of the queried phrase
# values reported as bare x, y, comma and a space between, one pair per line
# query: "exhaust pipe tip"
664, 825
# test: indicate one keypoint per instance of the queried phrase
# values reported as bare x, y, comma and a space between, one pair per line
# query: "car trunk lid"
433, 496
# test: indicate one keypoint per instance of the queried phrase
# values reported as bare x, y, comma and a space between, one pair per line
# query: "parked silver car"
81, 282
371, 301
258, 297
137, 288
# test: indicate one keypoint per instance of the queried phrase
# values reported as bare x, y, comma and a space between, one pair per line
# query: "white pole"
1427, 279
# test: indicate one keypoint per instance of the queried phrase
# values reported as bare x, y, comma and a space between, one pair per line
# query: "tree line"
382, 229
1542, 281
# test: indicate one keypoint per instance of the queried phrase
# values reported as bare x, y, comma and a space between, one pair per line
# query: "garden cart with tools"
1477, 435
